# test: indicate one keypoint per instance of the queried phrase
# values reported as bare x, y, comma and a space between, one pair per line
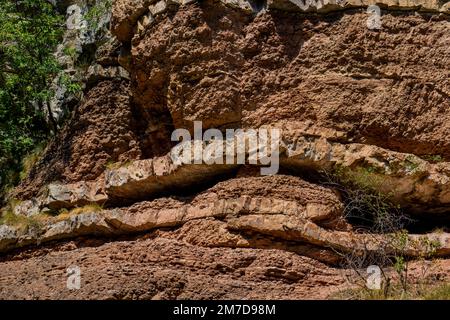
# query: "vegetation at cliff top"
29, 33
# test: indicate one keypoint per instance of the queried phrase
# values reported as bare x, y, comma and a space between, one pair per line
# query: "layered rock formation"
369, 106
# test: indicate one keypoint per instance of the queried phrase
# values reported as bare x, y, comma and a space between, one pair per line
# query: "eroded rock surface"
167, 269
238, 213
416, 184
327, 74
346, 97
101, 131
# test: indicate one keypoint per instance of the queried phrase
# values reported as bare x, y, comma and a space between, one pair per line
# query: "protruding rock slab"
412, 182
72, 195
57, 196
271, 195
293, 228
8, 237
416, 184
145, 178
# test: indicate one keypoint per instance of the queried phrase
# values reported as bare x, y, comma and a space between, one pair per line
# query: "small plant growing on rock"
100, 9
71, 52
66, 213
365, 205
92, 207
113, 165
400, 243
410, 164
29, 161
22, 223
72, 87
397, 281
9, 218
372, 212
434, 158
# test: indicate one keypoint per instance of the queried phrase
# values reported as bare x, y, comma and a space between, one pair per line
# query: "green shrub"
97, 11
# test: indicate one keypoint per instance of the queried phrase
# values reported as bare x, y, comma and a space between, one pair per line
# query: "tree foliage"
29, 33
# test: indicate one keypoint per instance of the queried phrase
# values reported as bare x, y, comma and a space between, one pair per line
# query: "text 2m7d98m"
236, 309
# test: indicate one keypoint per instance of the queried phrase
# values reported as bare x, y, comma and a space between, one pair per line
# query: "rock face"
168, 269
332, 5
156, 267
282, 207
326, 74
94, 137
111, 196
87, 28
415, 184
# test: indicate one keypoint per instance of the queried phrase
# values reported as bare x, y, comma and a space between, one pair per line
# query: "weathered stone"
99, 133
158, 8
276, 224
8, 237
367, 106
411, 181
97, 73
79, 37
159, 268
145, 178
125, 15
83, 224
345, 96
71, 195
282, 207
28, 207
275, 195
333, 5
107, 54
297, 229
244, 5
